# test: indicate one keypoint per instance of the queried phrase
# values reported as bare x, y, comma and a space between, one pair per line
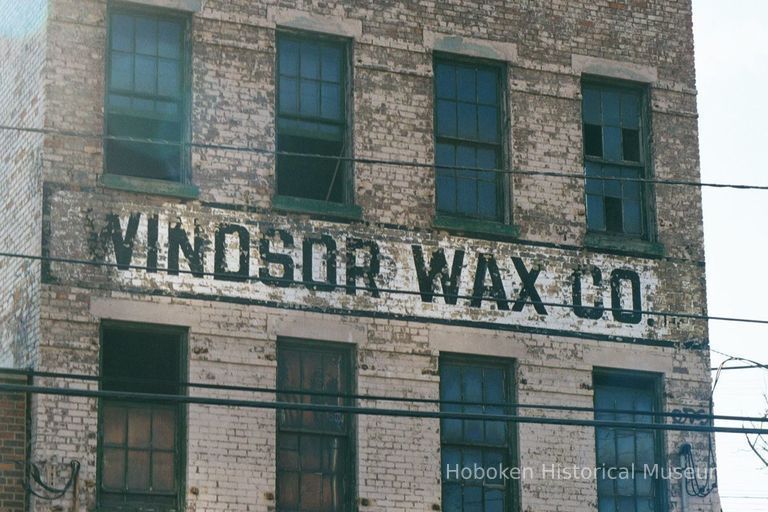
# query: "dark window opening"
314, 473
635, 450
140, 440
145, 99
311, 119
468, 128
614, 134
464, 443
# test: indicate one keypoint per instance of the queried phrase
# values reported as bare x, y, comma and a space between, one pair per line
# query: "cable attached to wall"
32, 474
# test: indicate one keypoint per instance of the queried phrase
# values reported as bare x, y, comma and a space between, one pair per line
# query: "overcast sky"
732, 70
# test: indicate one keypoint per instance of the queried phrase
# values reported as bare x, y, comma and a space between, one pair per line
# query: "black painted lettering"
486, 264
620, 314
367, 272
438, 267
179, 240
270, 258
123, 244
153, 223
528, 293
220, 253
307, 251
581, 311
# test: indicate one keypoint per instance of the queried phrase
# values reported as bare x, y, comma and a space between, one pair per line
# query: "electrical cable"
382, 398
392, 291
369, 411
378, 161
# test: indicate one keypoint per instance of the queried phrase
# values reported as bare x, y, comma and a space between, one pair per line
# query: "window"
620, 448
140, 456
311, 118
145, 97
615, 136
474, 387
314, 472
468, 128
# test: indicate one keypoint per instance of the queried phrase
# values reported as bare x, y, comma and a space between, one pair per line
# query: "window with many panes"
468, 134
146, 94
627, 397
615, 140
312, 117
314, 472
140, 441
475, 386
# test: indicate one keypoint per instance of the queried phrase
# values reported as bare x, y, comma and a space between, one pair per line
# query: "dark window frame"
159, 13
509, 368
645, 165
634, 379
347, 164
503, 182
180, 458
348, 356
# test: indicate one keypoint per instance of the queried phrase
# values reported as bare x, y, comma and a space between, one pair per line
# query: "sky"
732, 73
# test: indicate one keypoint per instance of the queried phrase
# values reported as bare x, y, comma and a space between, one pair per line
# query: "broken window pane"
613, 134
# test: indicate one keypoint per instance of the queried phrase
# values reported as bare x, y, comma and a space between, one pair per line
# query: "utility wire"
253, 389
392, 291
369, 411
378, 161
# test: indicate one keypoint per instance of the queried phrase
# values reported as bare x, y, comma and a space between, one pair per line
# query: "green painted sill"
317, 207
618, 243
476, 226
149, 186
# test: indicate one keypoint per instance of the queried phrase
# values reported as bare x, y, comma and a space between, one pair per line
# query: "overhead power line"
380, 161
383, 398
370, 411
392, 291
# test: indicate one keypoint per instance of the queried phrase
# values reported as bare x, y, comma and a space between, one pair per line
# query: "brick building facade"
240, 250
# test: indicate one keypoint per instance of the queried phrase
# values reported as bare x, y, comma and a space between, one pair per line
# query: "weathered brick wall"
232, 340
13, 445
22, 57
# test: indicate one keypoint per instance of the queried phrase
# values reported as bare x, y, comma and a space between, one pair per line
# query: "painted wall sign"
219, 254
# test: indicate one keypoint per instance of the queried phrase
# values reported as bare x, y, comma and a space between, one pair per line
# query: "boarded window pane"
113, 468
137, 472
139, 428
331, 64
467, 119
162, 471
163, 429
612, 143
487, 89
446, 118
114, 425
591, 109
309, 61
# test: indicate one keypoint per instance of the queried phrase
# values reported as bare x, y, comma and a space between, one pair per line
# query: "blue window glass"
146, 95
614, 135
311, 108
468, 119
471, 387
621, 448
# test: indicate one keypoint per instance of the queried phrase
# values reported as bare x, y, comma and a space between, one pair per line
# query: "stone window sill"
470, 227
317, 207
150, 186
624, 245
